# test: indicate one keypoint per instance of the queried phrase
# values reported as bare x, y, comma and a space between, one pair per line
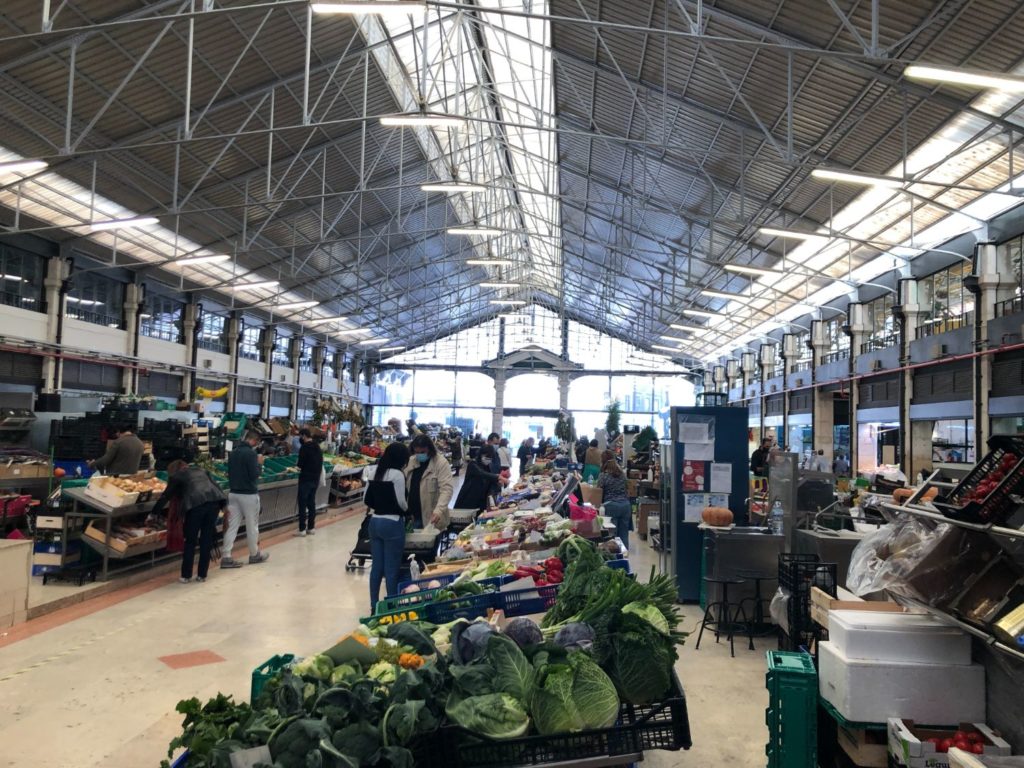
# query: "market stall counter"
101, 537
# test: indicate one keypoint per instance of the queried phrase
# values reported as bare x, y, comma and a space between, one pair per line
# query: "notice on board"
693, 507
694, 432
694, 475
699, 451
721, 477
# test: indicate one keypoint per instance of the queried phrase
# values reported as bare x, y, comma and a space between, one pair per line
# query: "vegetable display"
380, 695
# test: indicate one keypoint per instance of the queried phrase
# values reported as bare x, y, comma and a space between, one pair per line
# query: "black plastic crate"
662, 725
798, 574
1000, 504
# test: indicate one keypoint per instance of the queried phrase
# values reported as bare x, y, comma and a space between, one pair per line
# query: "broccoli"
382, 672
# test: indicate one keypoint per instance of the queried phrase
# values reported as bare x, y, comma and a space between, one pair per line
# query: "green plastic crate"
792, 714
242, 421
266, 671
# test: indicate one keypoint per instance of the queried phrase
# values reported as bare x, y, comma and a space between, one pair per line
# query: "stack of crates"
798, 574
792, 714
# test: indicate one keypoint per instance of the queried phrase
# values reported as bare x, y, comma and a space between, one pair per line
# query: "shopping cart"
361, 551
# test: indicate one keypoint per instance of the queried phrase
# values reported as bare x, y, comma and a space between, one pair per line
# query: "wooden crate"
822, 602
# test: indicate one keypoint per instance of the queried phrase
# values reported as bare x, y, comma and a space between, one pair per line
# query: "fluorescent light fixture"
145, 316
793, 234
23, 166
724, 295
693, 328
673, 338
508, 302
254, 286
390, 8
700, 313
453, 187
200, 260
500, 285
489, 262
134, 223
373, 342
743, 269
426, 119
322, 320
974, 78
669, 349
391, 349
295, 305
481, 231
349, 331
14, 278
852, 177
84, 302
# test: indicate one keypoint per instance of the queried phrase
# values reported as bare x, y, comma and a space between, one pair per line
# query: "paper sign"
694, 474
718, 499
693, 432
721, 478
699, 451
693, 506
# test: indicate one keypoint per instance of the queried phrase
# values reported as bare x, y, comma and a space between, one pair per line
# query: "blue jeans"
621, 512
307, 504
387, 540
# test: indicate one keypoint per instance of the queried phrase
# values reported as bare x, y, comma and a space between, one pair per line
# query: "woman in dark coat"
480, 482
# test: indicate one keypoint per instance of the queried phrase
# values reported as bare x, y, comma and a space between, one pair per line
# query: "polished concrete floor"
95, 685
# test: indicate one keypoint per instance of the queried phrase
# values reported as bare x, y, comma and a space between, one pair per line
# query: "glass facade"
953, 442
213, 332
281, 353
21, 278
881, 323
945, 301
249, 347
306, 358
94, 298
162, 318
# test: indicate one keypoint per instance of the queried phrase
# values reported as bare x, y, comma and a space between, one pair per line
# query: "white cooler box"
870, 691
908, 637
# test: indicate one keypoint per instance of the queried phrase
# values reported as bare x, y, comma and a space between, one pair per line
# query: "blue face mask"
422, 458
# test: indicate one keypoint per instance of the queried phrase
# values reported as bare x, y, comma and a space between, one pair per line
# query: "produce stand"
84, 507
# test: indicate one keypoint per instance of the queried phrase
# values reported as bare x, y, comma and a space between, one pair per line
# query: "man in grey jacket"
123, 455
244, 468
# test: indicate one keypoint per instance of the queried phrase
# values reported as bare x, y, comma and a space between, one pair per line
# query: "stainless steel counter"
727, 554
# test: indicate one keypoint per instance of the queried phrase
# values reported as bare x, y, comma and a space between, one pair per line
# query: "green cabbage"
577, 696
344, 673
639, 660
382, 672
650, 614
495, 715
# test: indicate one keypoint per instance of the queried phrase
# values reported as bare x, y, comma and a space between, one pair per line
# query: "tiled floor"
95, 690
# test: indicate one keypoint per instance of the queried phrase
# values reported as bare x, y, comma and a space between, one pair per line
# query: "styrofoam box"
885, 636
870, 691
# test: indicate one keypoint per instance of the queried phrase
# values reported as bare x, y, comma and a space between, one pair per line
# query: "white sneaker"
311, 531
300, 533
183, 580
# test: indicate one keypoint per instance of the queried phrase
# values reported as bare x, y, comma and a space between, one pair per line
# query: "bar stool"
757, 614
728, 618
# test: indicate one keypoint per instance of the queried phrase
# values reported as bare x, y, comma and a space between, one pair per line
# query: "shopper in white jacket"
431, 486
504, 454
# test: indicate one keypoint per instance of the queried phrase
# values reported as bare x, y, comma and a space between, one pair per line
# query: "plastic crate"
423, 597
523, 602
265, 671
661, 725
999, 504
73, 468
792, 714
797, 575
468, 607
414, 613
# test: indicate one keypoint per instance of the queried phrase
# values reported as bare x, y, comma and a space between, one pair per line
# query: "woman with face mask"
429, 479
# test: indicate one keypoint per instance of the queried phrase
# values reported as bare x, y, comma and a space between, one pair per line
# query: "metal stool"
757, 614
727, 619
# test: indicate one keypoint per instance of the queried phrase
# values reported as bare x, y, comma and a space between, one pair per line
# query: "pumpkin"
720, 517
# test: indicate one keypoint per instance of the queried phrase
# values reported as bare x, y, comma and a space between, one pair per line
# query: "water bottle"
775, 518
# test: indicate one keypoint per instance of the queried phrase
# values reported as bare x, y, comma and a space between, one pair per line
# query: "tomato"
960, 736
974, 737
945, 744
978, 748
962, 745
934, 740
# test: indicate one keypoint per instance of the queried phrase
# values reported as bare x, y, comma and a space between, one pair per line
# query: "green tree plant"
611, 424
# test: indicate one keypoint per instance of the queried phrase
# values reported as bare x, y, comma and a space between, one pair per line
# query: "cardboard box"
97, 533
631, 488
54, 558
24, 471
591, 494
109, 494
866, 748
50, 522
644, 511
871, 691
908, 745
